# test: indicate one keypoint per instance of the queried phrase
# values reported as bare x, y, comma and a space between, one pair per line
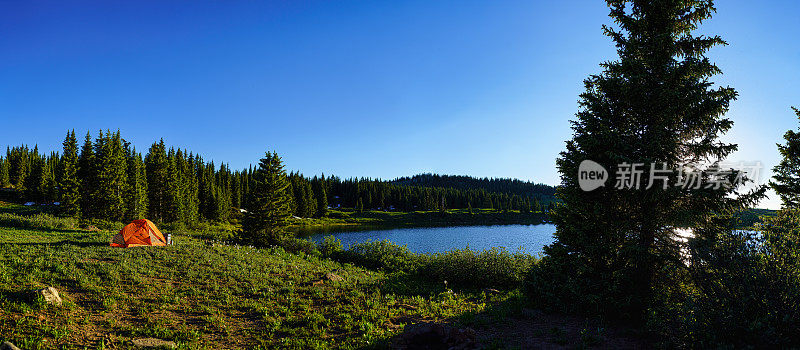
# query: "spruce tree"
786, 181
360, 205
32, 187
322, 199
87, 176
68, 182
654, 104
4, 179
136, 194
265, 222
174, 195
156, 167
111, 182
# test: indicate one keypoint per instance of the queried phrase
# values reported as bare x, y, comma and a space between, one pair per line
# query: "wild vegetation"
617, 256
202, 295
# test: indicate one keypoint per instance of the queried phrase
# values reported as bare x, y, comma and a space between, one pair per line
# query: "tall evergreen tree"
111, 176
786, 181
266, 221
68, 181
653, 105
4, 179
322, 199
88, 178
136, 195
156, 167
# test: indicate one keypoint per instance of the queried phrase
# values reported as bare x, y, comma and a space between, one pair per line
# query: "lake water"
529, 238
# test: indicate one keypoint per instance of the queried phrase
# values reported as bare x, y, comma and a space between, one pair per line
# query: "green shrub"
297, 245
330, 247
747, 286
478, 269
495, 268
40, 221
382, 255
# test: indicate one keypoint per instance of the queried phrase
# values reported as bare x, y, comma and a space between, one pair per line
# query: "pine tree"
360, 206
311, 202
32, 187
68, 182
156, 167
4, 179
174, 202
87, 176
136, 194
111, 176
655, 104
265, 222
786, 181
322, 199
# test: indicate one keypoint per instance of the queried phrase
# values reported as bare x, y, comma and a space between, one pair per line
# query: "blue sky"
356, 88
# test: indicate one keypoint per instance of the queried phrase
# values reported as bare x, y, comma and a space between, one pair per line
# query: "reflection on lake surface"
529, 238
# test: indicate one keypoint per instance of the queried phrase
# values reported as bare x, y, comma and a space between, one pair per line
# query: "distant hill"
542, 192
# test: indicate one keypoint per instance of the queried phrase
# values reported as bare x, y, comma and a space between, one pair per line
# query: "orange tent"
139, 233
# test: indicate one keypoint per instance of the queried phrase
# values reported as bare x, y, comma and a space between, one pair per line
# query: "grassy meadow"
201, 294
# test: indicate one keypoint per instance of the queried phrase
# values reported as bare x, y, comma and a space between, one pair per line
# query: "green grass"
205, 296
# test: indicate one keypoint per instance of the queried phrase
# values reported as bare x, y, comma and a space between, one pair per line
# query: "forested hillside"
525, 189
108, 179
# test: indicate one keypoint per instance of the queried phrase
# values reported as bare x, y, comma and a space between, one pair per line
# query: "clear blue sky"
356, 88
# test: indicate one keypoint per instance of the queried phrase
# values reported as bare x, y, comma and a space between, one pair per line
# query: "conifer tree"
654, 104
322, 199
33, 184
174, 202
136, 195
68, 183
87, 177
4, 179
311, 202
111, 176
156, 167
265, 222
360, 205
786, 181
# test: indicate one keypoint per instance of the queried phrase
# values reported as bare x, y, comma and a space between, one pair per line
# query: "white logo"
591, 175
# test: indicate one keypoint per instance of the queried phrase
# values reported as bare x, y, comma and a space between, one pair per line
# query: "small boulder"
50, 295
7, 345
154, 343
334, 277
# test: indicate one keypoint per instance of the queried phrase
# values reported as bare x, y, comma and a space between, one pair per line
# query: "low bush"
382, 255
746, 286
39, 221
495, 268
330, 247
297, 245
469, 268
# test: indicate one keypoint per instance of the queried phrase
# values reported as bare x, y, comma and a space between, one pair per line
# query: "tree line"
107, 178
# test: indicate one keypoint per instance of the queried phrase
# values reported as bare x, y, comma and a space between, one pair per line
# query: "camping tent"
139, 233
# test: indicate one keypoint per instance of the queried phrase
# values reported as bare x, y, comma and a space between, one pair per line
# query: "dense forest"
107, 178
